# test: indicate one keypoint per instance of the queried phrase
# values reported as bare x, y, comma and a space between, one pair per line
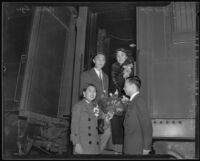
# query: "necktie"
101, 78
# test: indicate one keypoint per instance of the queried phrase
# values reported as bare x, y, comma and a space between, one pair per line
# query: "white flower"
96, 111
96, 114
116, 92
119, 109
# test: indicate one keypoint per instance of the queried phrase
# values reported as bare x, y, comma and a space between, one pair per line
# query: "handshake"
109, 116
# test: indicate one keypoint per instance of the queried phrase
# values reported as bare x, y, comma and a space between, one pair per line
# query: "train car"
47, 46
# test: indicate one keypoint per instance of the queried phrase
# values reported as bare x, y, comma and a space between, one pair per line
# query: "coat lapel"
94, 74
89, 108
131, 106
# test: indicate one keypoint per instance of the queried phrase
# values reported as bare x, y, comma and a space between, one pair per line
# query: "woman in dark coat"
121, 69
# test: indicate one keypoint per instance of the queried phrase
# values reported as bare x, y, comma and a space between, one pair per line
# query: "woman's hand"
78, 149
124, 99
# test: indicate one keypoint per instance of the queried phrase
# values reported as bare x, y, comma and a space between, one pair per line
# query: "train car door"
51, 79
48, 48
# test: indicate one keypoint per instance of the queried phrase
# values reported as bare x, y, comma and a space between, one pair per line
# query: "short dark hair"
127, 52
99, 52
135, 80
85, 88
87, 85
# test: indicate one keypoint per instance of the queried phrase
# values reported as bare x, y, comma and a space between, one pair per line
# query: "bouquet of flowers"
112, 104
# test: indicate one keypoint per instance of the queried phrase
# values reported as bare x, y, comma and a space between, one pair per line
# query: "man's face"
121, 57
90, 93
129, 88
99, 61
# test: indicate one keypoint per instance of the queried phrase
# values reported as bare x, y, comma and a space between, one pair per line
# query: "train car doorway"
108, 29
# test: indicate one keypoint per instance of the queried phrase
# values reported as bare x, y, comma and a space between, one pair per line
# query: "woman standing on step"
121, 69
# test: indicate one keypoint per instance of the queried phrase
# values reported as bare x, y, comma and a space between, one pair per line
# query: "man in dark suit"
97, 77
137, 122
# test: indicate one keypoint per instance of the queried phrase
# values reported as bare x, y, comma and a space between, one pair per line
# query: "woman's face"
121, 57
90, 93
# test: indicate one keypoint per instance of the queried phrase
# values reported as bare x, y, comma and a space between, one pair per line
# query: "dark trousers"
117, 129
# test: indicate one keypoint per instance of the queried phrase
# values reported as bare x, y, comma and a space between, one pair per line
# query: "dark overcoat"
137, 127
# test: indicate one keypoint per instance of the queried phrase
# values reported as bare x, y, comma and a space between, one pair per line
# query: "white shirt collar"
98, 72
87, 101
133, 95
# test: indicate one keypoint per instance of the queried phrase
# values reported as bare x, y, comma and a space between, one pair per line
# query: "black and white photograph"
100, 80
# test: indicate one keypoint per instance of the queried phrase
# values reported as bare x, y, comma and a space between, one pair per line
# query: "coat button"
89, 119
90, 142
89, 127
89, 134
97, 143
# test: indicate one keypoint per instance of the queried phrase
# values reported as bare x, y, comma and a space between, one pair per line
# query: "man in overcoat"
137, 122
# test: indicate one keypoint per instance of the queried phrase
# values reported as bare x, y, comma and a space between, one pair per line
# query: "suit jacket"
137, 127
91, 76
84, 128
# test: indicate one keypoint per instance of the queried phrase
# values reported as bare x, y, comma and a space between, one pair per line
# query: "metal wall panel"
43, 76
167, 69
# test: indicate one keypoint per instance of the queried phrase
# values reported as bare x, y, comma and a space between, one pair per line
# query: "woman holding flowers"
100, 79
122, 69
84, 132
